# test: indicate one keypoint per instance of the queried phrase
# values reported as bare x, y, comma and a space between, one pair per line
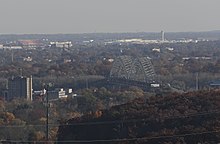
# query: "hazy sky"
86, 16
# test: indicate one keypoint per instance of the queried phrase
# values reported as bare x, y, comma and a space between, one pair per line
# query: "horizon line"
109, 32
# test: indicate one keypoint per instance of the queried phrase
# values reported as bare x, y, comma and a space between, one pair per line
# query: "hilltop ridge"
176, 118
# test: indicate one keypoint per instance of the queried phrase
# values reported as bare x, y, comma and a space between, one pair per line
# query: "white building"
67, 44
58, 93
156, 49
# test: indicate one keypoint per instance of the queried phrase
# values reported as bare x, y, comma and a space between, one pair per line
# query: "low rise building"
57, 94
67, 44
30, 43
215, 84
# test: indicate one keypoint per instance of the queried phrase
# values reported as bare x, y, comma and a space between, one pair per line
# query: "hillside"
176, 118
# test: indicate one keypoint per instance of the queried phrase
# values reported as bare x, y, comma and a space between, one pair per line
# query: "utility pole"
47, 129
87, 83
47, 109
197, 81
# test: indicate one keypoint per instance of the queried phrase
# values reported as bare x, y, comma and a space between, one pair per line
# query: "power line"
121, 140
121, 121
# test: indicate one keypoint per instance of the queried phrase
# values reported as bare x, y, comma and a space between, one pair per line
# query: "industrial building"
30, 43
19, 87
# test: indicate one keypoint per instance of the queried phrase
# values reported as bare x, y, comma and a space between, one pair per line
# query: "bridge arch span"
137, 69
143, 70
122, 67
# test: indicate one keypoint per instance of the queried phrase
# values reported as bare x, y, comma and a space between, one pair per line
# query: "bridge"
134, 69
130, 71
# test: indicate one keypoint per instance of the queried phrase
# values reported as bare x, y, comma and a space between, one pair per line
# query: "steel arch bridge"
122, 67
136, 69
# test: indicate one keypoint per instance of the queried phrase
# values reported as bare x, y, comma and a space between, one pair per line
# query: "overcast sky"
87, 16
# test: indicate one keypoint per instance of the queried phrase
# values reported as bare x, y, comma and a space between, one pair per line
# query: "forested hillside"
192, 117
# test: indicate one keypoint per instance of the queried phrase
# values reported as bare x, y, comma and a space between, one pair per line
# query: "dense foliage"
22, 120
176, 118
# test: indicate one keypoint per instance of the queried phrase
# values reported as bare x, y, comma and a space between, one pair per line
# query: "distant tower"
162, 36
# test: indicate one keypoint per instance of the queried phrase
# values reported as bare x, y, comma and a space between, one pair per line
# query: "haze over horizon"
102, 16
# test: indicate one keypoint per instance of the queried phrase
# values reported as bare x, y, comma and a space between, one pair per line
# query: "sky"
100, 16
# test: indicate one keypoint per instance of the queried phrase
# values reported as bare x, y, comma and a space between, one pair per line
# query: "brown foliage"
176, 114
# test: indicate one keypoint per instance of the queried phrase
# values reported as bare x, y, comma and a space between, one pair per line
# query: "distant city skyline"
102, 16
